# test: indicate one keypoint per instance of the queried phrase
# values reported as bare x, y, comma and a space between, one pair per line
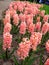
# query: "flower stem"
6, 54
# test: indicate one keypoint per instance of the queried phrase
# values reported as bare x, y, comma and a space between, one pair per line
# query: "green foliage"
41, 63
10, 55
15, 61
46, 8
45, 38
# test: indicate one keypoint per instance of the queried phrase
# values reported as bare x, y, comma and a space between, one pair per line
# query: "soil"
9, 62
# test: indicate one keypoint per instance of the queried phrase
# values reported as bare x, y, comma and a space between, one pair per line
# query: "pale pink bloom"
35, 40
45, 28
6, 19
35, 11
31, 28
23, 50
38, 19
20, 8
42, 13
29, 10
29, 16
7, 27
25, 12
45, 18
39, 37
29, 21
47, 62
38, 26
22, 28
47, 46
12, 12
16, 19
15, 7
7, 40
22, 17
48, 27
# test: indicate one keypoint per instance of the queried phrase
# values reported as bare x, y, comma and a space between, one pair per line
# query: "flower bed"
25, 35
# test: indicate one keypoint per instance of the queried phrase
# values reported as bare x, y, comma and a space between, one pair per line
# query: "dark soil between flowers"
11, 62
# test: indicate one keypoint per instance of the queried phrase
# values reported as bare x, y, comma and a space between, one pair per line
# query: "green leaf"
0, 45
15, 60
31, 60
45, 38
41, 63
39, 50
12, 52
46, 8
1, 56
25, 61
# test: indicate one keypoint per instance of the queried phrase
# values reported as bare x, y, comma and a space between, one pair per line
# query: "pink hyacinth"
16, 19
42, 13
45, 18
15, 7
35, 39
7, 27
7, 40
22, 28
6, 19
47, 62
22, 17
38, 26
20, 8
23, 50
39, 37
48, 27
12, 12
31, 28
29, 16
29, 21
47, 46
45, 28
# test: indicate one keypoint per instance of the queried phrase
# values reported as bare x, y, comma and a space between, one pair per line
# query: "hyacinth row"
28, 18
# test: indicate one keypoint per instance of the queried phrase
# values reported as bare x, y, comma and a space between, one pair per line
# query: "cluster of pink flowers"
25, 14
27, 45
7, 37
35, 39
15, 19
7, 40
24, 48
7, 27
45, 28
22, 28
